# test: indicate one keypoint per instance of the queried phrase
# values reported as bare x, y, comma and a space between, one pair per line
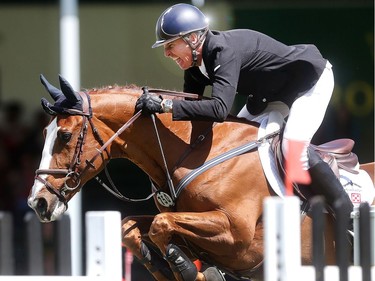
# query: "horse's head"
64, 168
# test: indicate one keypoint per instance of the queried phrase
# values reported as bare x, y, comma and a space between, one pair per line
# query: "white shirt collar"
202, 68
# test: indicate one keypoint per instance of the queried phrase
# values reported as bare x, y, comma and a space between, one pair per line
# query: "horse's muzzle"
47, 210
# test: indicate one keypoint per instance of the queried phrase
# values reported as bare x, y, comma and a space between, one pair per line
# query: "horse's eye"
65, 136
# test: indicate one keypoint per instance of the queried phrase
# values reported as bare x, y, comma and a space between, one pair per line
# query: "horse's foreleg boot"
180, 263
146, 254
154, 262
213, 274
133, 229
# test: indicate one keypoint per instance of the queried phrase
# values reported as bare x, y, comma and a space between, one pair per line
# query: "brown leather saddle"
337, 154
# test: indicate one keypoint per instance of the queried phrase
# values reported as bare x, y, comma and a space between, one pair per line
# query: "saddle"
337, 154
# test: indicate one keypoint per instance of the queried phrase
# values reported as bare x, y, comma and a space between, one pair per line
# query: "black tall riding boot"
325, 183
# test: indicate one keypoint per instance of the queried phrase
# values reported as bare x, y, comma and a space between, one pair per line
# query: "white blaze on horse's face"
54, 206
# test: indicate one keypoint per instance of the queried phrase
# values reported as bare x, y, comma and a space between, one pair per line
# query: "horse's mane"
134, 88
113, 89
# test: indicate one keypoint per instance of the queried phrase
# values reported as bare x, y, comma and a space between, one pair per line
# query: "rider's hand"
149, 103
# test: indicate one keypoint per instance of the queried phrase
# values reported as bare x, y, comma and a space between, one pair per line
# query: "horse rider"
250, 63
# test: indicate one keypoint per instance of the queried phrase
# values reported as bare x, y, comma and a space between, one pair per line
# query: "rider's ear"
193, 38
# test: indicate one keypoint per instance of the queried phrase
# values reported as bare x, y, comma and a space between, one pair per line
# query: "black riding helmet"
178, 21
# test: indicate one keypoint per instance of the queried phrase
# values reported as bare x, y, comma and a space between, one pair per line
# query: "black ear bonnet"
67, 101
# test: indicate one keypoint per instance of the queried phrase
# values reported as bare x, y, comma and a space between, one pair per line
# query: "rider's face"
179, 51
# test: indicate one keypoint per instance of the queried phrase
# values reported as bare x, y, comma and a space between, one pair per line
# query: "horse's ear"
48, 107
68, 90
53, 91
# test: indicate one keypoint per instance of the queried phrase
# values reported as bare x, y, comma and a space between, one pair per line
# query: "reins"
90, 163
113, 188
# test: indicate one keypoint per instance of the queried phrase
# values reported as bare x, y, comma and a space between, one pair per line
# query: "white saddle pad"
270, 120
268, 125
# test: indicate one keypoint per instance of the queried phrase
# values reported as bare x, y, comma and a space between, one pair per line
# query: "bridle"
73, 173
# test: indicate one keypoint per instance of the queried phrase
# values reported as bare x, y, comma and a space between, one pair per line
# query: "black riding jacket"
249, 63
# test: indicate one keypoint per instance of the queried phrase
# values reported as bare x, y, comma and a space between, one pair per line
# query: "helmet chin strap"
195, 46
195, 57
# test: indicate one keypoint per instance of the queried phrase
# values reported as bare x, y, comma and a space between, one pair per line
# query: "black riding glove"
149, 103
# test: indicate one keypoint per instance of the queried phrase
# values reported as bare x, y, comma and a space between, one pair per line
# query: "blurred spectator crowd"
21, 145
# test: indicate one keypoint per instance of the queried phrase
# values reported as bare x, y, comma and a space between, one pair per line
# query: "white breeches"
306, 113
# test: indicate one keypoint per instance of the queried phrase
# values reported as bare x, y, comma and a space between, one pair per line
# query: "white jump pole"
103, 251
282, 238
103, 245
70, 69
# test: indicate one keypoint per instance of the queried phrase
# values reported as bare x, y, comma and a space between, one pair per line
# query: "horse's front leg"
208, 230
134, 234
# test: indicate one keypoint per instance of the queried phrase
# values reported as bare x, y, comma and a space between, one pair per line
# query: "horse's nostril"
41, 206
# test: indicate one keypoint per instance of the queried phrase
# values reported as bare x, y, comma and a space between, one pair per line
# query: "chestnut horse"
215, 217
